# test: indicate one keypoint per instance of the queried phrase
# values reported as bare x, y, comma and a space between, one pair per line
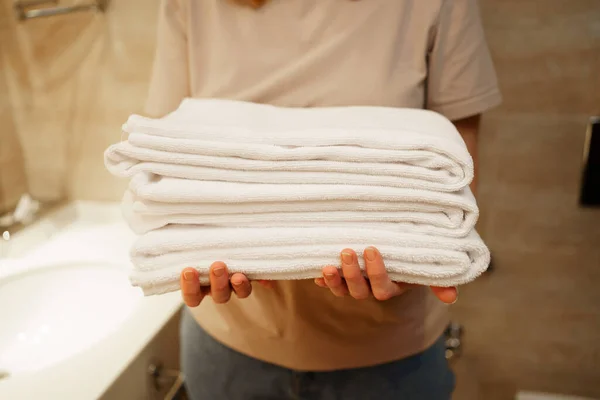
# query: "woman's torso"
313, 53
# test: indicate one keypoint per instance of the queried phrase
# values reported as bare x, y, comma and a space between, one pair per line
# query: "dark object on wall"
590, 186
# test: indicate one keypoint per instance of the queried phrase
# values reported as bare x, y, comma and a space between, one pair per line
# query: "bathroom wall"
534, 322
13, 182
71, 81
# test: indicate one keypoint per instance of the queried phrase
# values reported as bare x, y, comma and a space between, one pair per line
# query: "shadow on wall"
13, 181
36, 73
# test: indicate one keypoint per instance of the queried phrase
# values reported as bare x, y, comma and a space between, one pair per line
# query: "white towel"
410, 210
300, 253
354, 145
277, 193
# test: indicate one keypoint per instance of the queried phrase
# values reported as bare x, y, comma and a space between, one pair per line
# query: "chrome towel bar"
28, 9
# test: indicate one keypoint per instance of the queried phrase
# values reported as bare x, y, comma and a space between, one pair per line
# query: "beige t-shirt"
309, 53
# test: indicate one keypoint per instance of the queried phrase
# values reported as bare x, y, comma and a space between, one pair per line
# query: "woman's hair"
251, 3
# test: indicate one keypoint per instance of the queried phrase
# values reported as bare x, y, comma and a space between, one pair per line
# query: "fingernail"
329, 276
456, 299
236, 281
347, 258
188, 275
219, 271
370, 253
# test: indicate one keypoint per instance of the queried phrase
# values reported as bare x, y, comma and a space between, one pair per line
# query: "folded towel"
277, 192
410, 210
300, 253
267, 144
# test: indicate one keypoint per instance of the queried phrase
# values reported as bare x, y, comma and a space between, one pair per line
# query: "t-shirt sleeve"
461, 78
170, 75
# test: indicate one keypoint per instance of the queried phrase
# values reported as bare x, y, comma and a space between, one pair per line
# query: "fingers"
321, 282
334, 281
381, 285
357, 285
219, 283
241, 285
448, 295
190, 287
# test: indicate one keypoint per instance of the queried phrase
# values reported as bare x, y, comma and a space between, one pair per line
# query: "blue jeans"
216, 372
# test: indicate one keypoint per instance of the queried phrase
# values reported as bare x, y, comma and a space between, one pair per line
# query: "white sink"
50, 314
67, 310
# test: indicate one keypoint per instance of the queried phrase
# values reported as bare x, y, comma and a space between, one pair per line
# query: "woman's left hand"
378, 283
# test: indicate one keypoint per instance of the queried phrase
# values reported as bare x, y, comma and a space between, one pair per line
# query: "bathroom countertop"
87, 233
89, 374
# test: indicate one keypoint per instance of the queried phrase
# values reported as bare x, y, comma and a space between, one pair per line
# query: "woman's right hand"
221, 285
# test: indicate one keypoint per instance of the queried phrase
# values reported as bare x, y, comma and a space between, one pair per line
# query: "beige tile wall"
534, 322
13, 182
71, 93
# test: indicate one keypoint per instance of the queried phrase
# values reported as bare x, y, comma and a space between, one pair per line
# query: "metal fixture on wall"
453, 335
161, 378
28, 9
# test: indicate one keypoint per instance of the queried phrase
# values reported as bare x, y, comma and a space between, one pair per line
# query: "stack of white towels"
277, 193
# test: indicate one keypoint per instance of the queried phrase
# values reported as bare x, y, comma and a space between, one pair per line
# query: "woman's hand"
221, 285
378, 283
